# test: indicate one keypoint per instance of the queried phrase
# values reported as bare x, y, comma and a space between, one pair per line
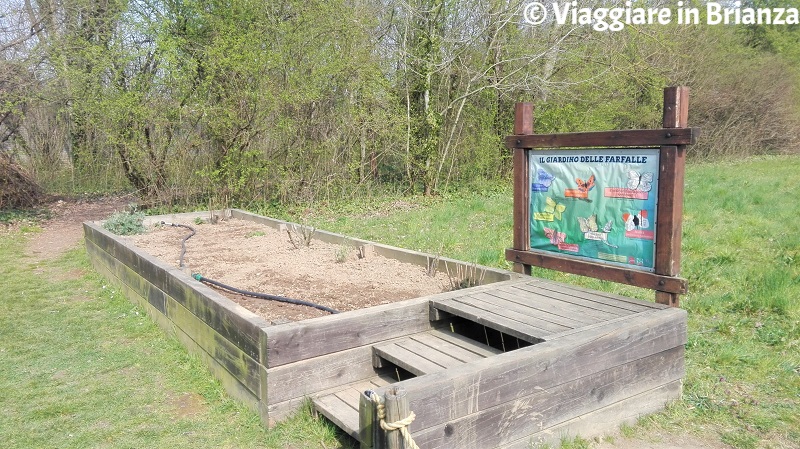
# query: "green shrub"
125, 223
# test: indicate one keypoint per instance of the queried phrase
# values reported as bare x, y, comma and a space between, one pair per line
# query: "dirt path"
65, 230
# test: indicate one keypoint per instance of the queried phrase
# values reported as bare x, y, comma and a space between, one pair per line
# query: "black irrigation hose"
266, 296
298, 302
183, 242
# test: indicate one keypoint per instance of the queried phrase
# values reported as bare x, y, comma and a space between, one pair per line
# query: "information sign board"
595, 204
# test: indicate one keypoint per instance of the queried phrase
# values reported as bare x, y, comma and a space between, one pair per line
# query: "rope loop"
401, 425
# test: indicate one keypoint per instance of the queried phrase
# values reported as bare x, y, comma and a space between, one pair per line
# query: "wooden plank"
512, 420
479, 349
312, 376
131, 279
279, 411
340, 413
482, 316
486, 383
471, 291
670, 192
618, 138
604, 421
464, 351
596, 270
102, 238
409, 359
624, 302
240, 365
288, 343
534, 316
570, 304
543, 310
342, 406
291, 342
589, 327
523, 125
542, 300
429, 352
231, 384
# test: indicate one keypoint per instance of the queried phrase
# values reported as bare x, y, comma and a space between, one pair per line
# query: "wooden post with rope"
384, 420
396, 403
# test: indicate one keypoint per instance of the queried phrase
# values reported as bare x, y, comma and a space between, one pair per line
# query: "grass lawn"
80, 366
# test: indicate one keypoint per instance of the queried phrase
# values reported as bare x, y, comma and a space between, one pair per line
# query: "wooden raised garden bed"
514, 361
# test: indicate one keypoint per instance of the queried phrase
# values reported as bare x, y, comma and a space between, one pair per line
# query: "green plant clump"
125, 223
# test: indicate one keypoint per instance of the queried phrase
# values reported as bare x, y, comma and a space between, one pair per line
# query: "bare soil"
257, 258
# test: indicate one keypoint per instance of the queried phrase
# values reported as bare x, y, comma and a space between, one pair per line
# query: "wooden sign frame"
671, 140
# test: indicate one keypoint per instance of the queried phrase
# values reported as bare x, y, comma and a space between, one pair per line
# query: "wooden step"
432, 351
341, 407
534, 310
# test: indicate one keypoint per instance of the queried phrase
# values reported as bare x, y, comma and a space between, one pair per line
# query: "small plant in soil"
300, 236
255, 234
342, 253
465, 276
125, 223
432, 265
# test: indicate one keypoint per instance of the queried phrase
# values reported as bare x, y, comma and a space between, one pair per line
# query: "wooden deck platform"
536, 310
533, 310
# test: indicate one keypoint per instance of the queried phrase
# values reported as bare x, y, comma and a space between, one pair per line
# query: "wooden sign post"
662, 273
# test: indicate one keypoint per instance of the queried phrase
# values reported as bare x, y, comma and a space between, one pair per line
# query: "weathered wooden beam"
523, 127
292, 342
612, 273
620, 138
311, 376
670, 193
366, 421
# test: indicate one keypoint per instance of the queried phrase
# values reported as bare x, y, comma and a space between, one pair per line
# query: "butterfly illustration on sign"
585, 186
636, 221
642, 182
552, 211
591, 230
555, 237
582, 192
554, 208
590, 224
542, 182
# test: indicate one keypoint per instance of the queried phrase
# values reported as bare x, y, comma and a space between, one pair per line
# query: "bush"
125, 223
